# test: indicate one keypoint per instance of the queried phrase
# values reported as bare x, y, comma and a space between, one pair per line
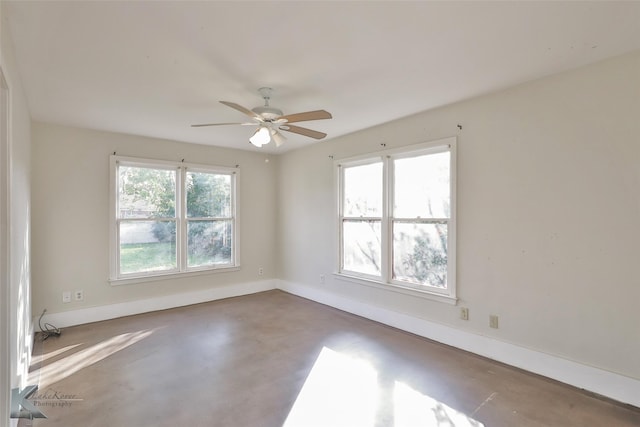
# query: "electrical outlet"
78, 295
66, 297
493, 321
464, 313
260, 271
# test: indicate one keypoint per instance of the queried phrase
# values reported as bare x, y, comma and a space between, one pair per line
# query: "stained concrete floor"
273, 359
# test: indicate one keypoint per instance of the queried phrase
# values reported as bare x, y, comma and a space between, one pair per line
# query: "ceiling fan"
271, 121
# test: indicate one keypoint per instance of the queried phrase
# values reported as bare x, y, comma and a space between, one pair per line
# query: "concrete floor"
273, 359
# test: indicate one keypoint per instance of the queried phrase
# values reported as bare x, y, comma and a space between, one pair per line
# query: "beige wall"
548, 210
71, 222
17, 332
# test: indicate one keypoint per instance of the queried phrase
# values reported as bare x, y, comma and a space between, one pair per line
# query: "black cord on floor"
49, 330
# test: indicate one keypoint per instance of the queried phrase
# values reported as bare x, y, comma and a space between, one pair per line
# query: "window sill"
168, 276
392, 287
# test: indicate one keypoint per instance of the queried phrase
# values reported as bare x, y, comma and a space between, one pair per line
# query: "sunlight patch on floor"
342, 390
69, 365
339, 391
39, 358
412, 408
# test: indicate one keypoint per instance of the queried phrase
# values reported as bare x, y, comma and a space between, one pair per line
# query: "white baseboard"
615, 386
112, 311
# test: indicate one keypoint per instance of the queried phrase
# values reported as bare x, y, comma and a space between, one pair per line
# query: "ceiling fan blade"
242, 109
309, 115
219, 124
303, 131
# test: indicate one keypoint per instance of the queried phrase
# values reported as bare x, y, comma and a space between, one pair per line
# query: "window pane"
208, 195
146, 192
421, 186
147, 246
361, 247
209, 243
363, 191
420, 253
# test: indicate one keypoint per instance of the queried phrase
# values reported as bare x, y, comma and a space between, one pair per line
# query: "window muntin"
171, 218
411, 243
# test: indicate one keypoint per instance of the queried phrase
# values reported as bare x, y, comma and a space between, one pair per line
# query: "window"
397, 225
171, 218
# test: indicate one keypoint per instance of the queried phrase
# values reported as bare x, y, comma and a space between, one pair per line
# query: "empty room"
319, 213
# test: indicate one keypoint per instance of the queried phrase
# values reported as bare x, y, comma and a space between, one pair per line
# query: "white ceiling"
153, 68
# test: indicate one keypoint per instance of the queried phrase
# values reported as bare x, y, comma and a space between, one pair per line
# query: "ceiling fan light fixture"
278, 138
261, 137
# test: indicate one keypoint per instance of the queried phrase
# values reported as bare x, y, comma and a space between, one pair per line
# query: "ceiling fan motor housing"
267, 113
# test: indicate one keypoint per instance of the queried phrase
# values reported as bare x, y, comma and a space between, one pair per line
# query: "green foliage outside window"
151, 193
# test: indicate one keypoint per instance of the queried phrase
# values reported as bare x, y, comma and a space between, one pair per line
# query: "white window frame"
182, 270
385, 280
